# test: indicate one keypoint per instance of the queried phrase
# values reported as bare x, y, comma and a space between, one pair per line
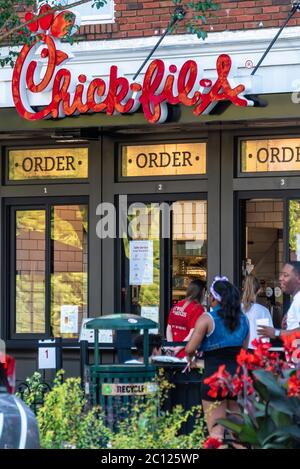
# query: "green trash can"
116, 388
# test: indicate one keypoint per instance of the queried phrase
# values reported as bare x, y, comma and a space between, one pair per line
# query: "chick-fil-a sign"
72, 95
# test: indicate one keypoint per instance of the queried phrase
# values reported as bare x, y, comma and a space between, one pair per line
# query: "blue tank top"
221, 336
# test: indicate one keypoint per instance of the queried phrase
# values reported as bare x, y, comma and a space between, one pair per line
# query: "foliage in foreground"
66, 422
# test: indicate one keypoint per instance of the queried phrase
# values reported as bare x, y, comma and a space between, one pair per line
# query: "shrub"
66, 422
63, 421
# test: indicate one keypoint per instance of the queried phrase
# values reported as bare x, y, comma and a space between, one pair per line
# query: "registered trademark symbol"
249, 64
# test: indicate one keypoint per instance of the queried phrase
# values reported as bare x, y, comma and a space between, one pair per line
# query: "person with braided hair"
219, 334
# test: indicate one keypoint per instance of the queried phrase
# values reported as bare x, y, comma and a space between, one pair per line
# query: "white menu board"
141, 263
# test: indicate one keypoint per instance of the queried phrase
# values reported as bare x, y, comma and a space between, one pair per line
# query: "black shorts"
212, 361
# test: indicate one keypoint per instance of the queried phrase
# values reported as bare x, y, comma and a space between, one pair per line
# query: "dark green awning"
279, 106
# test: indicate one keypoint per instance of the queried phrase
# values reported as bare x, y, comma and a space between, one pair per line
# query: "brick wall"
138, 18
141, 18
264, 221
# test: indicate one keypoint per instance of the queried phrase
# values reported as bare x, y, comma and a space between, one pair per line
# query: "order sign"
174, 159
129, 389
48, 163
271, 155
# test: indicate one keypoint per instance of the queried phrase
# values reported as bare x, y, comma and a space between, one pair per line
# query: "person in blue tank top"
220, 334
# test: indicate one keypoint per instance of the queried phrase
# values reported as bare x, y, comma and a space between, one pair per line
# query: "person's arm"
246, 342
193, 318
199, 333
186, 339
169, 334
284, 322
267, 331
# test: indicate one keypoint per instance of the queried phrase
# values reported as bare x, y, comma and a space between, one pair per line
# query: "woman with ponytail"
253, 310
220, 334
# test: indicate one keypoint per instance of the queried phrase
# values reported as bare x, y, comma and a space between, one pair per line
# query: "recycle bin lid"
121, 322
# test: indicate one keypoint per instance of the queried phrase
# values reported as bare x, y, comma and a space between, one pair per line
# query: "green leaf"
274, 446
266, 426
249, 435
262, 390
282, 406
288, 432
266, 378
235, 427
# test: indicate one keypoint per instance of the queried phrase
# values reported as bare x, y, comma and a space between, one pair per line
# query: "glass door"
165, 248
264, 251
141, 261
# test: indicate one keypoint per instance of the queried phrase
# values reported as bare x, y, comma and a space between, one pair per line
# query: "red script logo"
162, 84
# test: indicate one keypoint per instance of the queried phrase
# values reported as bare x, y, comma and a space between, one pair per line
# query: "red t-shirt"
182, 320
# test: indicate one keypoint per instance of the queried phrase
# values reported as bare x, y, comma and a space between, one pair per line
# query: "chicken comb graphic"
58, 24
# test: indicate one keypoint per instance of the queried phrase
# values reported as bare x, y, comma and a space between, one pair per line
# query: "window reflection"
294, 226
30, 271
69, 237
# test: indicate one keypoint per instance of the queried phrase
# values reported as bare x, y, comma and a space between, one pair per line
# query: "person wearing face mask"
219, 334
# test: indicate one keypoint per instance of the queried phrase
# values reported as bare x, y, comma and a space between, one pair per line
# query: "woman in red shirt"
184, 315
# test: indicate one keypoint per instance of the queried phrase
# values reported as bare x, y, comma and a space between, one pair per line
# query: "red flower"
292, 347
212, 443
219, 381
294, 386
240, 383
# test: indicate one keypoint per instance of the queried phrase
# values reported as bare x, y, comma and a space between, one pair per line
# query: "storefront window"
142, 251
294, 226
51, 270
165, 249
30, 271
264, 251
69, 276
189, 245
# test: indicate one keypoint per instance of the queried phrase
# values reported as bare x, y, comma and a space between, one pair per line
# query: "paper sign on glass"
105, 336
141, 263
69, 319
86, 334
151, 312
